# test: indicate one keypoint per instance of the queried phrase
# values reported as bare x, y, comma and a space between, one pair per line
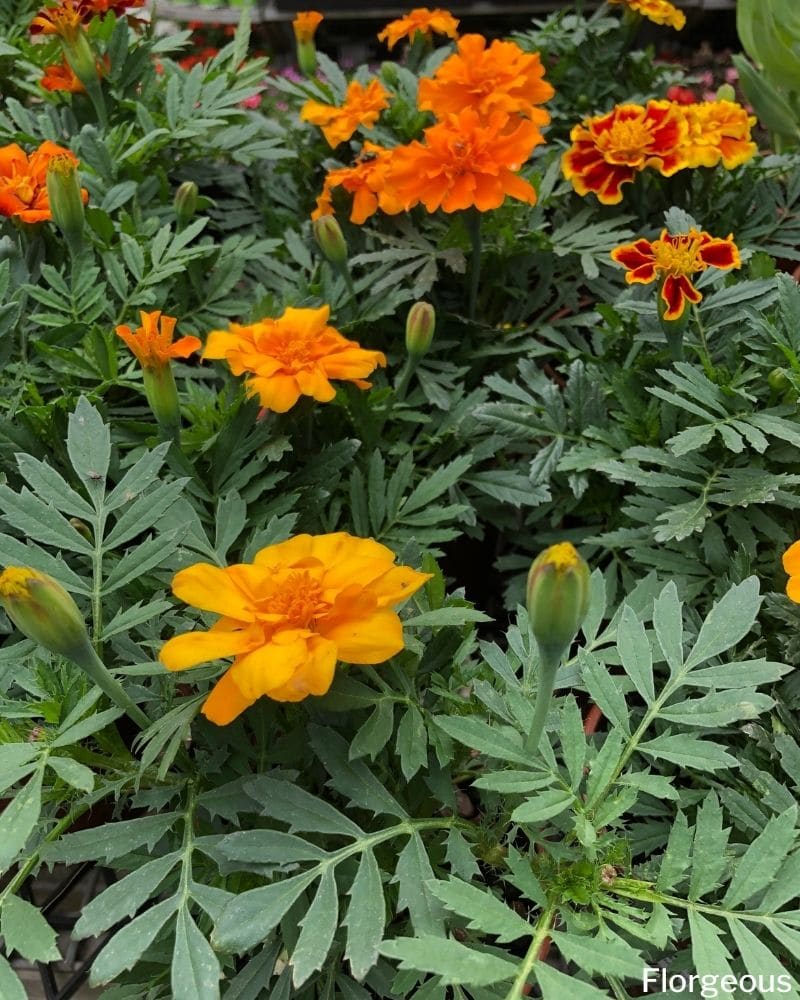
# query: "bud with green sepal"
185, 203
330, 240
420, 327
66, 202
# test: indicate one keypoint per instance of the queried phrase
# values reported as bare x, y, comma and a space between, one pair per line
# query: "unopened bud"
389, 73
185, 203
43, 611
162, 395
777, 380
330, 239
420, 326
305, 26
726, 93
557, 596
79, 55
64, 196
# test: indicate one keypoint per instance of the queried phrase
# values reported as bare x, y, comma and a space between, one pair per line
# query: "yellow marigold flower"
361, 109
672, 260
719, 131
288, 616
422, 20
152, 342
292, 356
305, 25
791, 565
658, 11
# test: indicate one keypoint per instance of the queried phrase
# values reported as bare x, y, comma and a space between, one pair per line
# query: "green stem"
472, 218
643, 893
541, 933
702, 350
549, 660
98, 673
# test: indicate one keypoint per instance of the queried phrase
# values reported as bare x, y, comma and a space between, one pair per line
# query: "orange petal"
225, 702
374, 638
212, 589
791, 559
314, 676
268, 667
398, 585
193, 648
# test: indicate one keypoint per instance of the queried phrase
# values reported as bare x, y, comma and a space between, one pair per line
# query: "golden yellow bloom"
658, 11
361, 109
719, 131
305, 25
791, 564
292, 356
152, 341
288, 616
422, 20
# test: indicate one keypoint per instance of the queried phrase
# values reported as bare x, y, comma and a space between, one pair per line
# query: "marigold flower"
292, 356
719, 131
23, 181
65, 17
152, 342
791, 565
658, 11
361, 109
465, 161
501, 77
608, 150
673, 260
288, 616
423, 20
367, 181
305, 25
60, 76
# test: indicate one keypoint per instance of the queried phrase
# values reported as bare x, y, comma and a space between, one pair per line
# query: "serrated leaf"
89, 448
433, 485
195, 969
19, 818
755, 955
366, 917
10, 986
513, 782
543, 806
26, 931
476, 734
720, 708
74, 773
459, 857
689, 752
412, 874
318, 927
634, 651
709, 954
728, 622
123, 898
557, 985
301, 810
251, 916
609, 957
573, 741
488, 914
604, 690
760, 863
268, 846
453, 962
676, 856
352, 778
126, 947
375, 732
412, 742
111, 840
446, 616
708, 853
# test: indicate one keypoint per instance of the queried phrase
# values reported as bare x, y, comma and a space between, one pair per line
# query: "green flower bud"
307, 57
64, 195
162, 395
43, 611
79, 55
777, 380
389, 73
726, 93
557, 596
420, 326
330, 239
185, 203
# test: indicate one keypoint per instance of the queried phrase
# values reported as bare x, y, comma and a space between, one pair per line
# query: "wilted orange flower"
719, 131
672, 260
288, 616
791, 565
465, 161
361, 109
292, 356
152, 342
659, 11
608, 150
499, 78
305, 25
23, 181
423, 20
366, 180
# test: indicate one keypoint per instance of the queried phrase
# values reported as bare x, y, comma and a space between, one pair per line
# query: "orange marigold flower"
366, 180
501, 77
791, 565
152, 342
23, 181
658, 11
465, 161
66, 20
361, 109
288, 616
672, 260
292, 356
59, 76
608, 150
305, 25
719, 131
423, 20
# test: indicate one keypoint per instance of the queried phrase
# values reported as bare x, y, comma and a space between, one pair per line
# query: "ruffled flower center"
678, 255
626, 140
291, 347
297, 598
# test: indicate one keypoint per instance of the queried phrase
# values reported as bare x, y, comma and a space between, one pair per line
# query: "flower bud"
162, 395
420, 326
185, 203
777, 380
43, 611
64, 196
79, 55
726, 93
305, 26
558, 596
330, 239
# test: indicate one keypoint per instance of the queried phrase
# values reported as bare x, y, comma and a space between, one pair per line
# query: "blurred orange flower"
361, 109
292, 356
423, 20
366, 180
608, 150
501, 77
59, 76
673, 260
305, 25
152, 342
288, 616
23, 181
719, 131
791, 565
65, 17
465, 161
658, 11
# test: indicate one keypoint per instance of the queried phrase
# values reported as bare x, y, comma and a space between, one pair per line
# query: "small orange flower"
465, 161
23, 181
305, 25
361, 109
366, 180
152, 342
719, 131
293, 356
288, 616
658, 11
65, 20
608, 150
423, 20
791, 565
673, 260
501, 77
59, 76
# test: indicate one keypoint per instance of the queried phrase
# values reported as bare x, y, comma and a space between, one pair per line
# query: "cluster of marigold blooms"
485, 99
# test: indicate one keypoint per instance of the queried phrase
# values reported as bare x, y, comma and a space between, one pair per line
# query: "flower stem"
541, 933
549, 659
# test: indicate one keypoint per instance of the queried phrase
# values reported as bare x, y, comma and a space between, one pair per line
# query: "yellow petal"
791, 559
192, 648
288, 553
793, 589
276, 392
212, 589
372, 639
315, 676
225, 702
268, 667
397, 585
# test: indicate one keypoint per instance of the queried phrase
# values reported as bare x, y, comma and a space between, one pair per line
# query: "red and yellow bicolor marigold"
609, 150
465, 161
500, 77
152, 342
288, 616
361, 109
421, 20
292, 356
791, 565
66, 17
718, 132
658, 11
23, 181
367, 181
305, 25
672, 260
